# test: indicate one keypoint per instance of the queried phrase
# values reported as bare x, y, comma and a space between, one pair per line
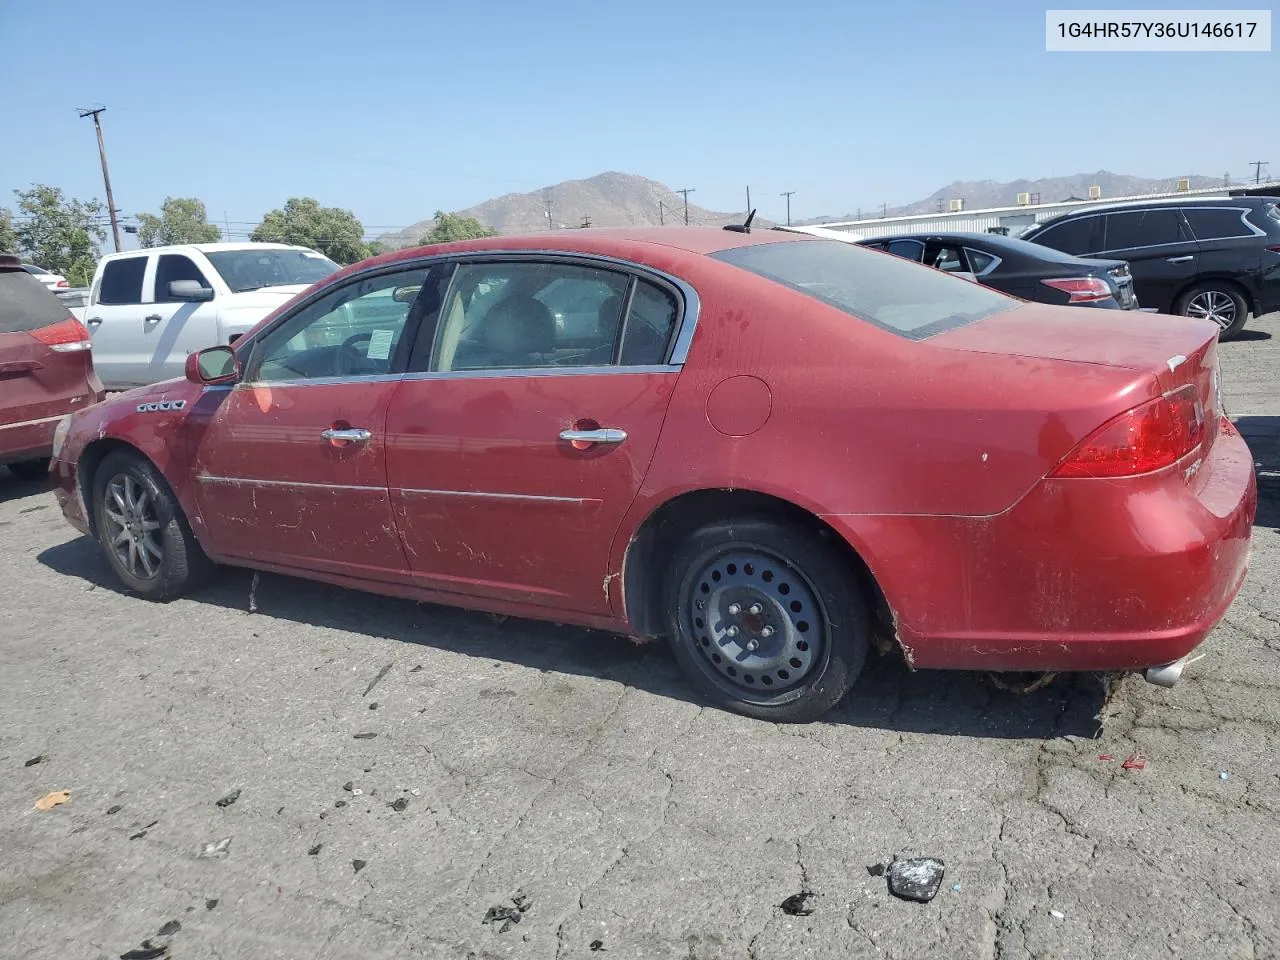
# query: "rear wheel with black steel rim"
143, 530
1220, 302
767, 618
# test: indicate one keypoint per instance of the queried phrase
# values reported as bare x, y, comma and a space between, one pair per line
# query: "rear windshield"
26, 305
897, 295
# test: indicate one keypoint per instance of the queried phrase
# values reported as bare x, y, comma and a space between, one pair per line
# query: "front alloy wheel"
132, 527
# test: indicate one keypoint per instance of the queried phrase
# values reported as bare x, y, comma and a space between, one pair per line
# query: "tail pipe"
1166, 675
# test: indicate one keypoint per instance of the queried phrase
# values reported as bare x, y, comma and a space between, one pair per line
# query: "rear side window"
25, 304
979, 261
1082, 235
172, 267
649, 326
1214, 223
904, 298
1143, 228
122, 281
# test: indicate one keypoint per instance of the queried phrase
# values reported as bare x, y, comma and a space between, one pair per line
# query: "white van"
149, 308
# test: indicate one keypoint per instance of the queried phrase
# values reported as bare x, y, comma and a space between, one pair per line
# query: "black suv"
1218, 259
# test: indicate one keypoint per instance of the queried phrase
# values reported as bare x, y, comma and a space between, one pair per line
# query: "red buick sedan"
762, 446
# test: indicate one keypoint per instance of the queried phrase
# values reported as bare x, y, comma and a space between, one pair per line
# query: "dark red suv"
46, 369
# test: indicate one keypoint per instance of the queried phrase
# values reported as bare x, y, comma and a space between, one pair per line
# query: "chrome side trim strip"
493, 496
237, 481
539, 372
32, 423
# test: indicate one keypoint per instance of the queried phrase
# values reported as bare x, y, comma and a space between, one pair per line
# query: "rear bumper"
1079, 575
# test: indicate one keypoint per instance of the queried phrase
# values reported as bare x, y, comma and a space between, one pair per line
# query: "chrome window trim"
318, 381
690, 311
505, 372
995, 261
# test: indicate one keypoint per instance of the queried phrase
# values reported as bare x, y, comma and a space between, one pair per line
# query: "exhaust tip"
1167, 674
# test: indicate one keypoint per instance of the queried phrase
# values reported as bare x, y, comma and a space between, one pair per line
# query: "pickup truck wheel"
143, 530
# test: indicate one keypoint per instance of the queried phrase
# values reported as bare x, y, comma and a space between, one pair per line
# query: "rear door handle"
603, 435
352, 435
93, 323
1179, 259
152, 318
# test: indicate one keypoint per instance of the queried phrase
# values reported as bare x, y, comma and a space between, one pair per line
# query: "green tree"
8, 239
333, 231
450, 226
181, 220
59, 234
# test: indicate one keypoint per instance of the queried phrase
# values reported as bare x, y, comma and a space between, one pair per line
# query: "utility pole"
1257, 169
106, 176
661, 220
748, 200
884, 210
787, 194
551, 224
686, 193
586, 222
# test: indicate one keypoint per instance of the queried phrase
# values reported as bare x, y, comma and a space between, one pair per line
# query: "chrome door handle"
1179, 259
93, 322
152, 318
604, 435
355, 435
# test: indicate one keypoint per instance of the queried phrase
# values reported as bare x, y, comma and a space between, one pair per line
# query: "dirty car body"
765, 447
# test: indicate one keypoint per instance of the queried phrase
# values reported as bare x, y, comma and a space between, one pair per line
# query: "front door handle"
152, 318
603, 435
1179, 259
352, 435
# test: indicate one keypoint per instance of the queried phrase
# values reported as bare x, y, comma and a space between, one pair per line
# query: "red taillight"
66, 337
1081, 289
62, 283
1147, 438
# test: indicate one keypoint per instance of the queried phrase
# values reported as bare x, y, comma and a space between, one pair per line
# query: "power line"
96, 112
686, 192
1257, 169
787, 194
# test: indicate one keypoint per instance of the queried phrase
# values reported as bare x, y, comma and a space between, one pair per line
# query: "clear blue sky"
393, 108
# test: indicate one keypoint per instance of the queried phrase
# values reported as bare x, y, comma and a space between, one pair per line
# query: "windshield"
897, 295
251, 269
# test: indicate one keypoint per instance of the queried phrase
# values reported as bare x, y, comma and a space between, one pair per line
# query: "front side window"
1142, 228
907, 249
512, 316
904, 298
352, 331
1216, 223
122, 281
173, 267
250, 269
1081, 235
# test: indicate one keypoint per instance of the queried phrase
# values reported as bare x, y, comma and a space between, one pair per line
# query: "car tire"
1223, 303
30, 469
780, 587
143, 531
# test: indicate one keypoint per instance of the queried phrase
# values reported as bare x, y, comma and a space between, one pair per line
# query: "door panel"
1163, 258
491, 501
271, 487
171, 329
115, 322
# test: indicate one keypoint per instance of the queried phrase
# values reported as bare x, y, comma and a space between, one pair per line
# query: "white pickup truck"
149, 308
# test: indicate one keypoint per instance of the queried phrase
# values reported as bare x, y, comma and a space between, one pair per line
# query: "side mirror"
191, 290
213, 365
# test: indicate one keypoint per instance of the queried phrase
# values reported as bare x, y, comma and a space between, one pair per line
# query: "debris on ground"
799, 904
229, 799
210, 904
509, 915
374, 682
1038, 684
596, 946
876, 870
34, 760
415, 792
1057, 914
417, 669
111, 811
170, 928
143, 832
374, 705
217, 849
348, 785
55, 799
916, 879
1223, 775
340, 803
1106, 757
1135, 761
358, 865
253, 593
365, 736
148, 951
314, 850
955, 887
399, 805
357, 792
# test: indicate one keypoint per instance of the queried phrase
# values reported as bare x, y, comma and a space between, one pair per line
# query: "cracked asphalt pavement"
572, 780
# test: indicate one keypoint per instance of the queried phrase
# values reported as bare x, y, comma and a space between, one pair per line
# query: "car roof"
995, 242
1234, 202
207, 248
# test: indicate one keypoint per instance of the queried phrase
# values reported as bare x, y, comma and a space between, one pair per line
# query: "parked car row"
1212, 258
754, 445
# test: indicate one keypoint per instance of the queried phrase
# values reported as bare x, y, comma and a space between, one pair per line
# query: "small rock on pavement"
314, 850
148, 951
596, 946
916, 879
217, 849
358, 865
112, 811
364, 736
229, 799
799, 904
170, 928
1057, 914
210, 904
399, 804
34, 760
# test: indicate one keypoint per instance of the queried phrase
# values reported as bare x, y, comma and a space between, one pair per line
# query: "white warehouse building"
1011, 221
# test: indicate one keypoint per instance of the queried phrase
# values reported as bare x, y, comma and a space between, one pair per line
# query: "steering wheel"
351, 361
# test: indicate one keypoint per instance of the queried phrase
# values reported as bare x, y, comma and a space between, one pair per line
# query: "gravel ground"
389, 772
